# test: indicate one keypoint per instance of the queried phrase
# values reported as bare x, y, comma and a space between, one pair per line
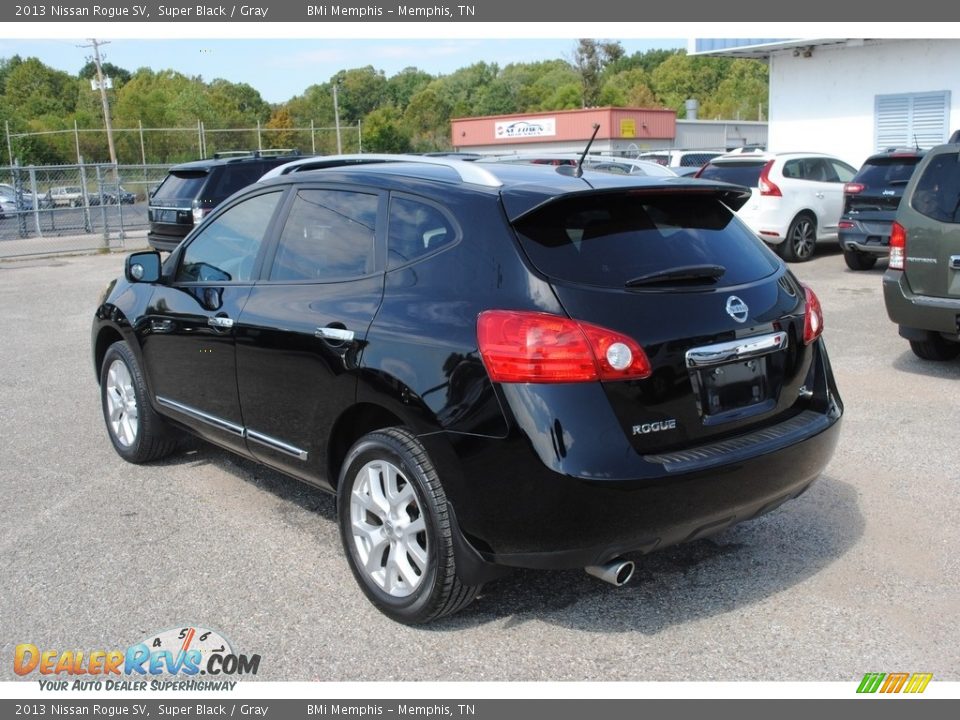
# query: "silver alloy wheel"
802, 238
388, 528
123, 414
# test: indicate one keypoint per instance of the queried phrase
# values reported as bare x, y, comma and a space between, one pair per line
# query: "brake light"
534, 347
853, 188
898, 247
767, 187
846, 225
813, 317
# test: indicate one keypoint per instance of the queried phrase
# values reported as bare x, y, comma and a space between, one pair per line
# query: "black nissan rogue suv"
491, 365
191, 190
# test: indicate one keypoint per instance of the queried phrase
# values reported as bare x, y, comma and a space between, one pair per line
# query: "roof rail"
232, 153
467, 171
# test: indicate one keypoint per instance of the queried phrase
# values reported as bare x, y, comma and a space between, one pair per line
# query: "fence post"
85, 200
36, 200
9, 144
313, 139
121, 233
200, 139
103, 206
259, 139
143, 150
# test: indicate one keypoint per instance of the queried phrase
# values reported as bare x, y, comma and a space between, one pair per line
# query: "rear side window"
607, 239
329, 235
180, 186
232, 177
741, 173
937, 194
885, 171
416, 229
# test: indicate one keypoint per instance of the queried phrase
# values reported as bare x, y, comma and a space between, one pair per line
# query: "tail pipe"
616, 572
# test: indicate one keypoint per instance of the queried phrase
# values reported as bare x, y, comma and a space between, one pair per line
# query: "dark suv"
193, 189
491, 365
870, 203
921, 286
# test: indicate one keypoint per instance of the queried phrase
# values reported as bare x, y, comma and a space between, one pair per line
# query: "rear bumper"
164, 242
860, 239
918, 312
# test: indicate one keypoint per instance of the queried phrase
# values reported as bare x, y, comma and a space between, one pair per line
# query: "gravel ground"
860, 574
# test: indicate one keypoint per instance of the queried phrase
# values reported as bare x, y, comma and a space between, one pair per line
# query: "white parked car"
797, 198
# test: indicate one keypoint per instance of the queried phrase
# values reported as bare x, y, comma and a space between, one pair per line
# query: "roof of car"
522, 187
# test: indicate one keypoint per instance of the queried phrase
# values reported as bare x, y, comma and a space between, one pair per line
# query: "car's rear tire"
396, 529
935, 348
857, 260
801, 240
138, 433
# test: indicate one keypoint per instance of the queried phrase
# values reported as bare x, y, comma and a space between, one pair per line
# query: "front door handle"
334, 333
220, 322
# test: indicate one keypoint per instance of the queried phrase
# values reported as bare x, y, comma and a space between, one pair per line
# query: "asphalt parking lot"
860, 574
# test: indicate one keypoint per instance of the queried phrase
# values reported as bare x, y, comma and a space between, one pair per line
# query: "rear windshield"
886, 171
937, 194
608, 240
180, 185
741, 173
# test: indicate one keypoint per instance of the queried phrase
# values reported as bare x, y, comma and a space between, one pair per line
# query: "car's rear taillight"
534, 347
853, 188
898, 247
846, 225
767, 186
813, 318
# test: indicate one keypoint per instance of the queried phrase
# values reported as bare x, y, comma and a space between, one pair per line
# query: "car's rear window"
878, 172
739, 173
937, 194
608, 239
180, 185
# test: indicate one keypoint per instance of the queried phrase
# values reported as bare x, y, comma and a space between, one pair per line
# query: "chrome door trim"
742, 349
274, 444
217, 422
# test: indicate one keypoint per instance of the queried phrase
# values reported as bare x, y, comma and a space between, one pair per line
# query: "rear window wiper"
682, 273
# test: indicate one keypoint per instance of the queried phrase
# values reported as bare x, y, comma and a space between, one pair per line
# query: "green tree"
427, 120
681, 77
590, 58
630, 88
282, 126
360, 91
383, 131
742, 94
400, 88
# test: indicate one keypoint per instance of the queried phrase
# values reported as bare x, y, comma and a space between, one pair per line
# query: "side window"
416, 229
329, 235
937, 194
843, 171
793, 169
226, 249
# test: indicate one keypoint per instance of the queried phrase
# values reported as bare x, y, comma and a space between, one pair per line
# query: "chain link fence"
68, 208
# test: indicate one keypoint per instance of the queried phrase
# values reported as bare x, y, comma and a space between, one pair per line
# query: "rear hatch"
171, 206
874, 194
717, 314
931, 219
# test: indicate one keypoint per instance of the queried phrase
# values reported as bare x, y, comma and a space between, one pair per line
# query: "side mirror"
143, 267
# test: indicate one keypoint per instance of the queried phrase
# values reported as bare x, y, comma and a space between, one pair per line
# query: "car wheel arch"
352, 424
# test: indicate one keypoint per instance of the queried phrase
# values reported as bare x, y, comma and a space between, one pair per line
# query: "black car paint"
538, 475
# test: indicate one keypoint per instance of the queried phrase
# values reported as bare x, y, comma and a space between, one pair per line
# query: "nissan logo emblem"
737, 309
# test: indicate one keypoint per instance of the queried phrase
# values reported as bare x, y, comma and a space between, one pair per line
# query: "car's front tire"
857, 260
801, 240
396, 529
138, 434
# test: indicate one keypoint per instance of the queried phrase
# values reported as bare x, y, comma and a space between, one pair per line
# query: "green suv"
921, 288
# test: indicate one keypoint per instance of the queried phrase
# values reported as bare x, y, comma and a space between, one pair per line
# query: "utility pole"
103, 97
336, 117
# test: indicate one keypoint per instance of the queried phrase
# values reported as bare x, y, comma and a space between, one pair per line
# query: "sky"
283, 68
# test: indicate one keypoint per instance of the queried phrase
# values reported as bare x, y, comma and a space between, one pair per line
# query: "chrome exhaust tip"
616, 572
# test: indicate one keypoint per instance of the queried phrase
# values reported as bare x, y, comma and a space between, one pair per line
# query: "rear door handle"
220, 322
334, 333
